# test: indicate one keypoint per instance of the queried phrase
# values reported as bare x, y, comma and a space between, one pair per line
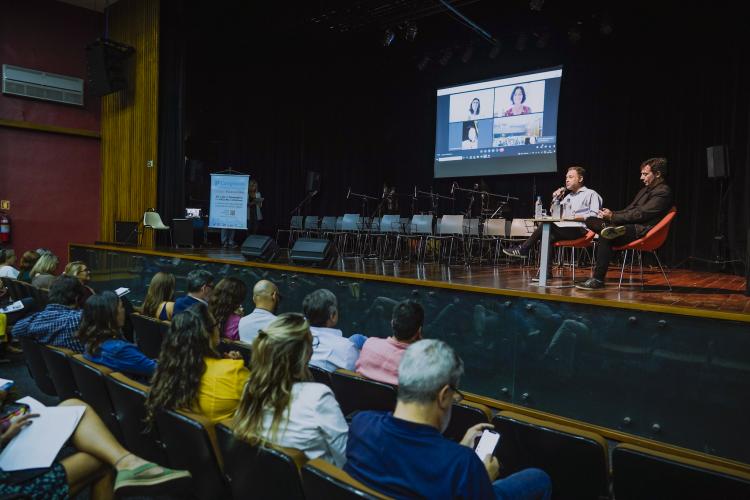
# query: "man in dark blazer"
616, 228
199, 287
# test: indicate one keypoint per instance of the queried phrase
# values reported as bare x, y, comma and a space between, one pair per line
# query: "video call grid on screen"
500, 126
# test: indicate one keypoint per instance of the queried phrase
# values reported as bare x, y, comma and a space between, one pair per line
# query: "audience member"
380, 358
97, 454
79, 269
101, 334
279, 404
28, 259
225, 304
266, 298
159, 301
191, 375
43, 273
199, 283
7, 259
333, 350
58, 323
404, 455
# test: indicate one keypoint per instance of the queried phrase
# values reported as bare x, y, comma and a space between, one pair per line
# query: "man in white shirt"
331, 350
266, 298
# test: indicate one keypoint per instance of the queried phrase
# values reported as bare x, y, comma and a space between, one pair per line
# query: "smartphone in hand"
487, 444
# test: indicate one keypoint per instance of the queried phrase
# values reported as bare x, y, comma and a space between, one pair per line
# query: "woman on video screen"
518, 97
473, 109
470, 136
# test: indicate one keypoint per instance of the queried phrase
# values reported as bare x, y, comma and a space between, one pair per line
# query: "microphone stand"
309, 196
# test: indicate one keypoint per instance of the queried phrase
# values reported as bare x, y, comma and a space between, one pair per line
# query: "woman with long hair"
43, 273
159, 301
28, 259
191, 375
225, 305
101, 335
78, 269
280, 404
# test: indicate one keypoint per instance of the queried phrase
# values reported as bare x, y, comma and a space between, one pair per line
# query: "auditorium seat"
90, 379
319, 375
243, 348
32, 353
576, 460
259, 471
355, 392
128, 400
149, 334
190, 443
58, 367
464, 415
322, 480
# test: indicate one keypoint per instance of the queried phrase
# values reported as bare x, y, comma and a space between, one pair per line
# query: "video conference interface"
501, 126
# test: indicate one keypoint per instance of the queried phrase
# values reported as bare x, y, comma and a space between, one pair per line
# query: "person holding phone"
403, 454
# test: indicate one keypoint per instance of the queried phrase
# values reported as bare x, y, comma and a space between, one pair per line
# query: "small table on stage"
544, 258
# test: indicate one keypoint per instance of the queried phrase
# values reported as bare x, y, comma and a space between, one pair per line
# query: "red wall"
51, 180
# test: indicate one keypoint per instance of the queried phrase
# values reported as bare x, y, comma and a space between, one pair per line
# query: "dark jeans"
555, 234
604, 246
528, 484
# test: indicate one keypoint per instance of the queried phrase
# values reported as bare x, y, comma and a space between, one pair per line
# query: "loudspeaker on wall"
716, 158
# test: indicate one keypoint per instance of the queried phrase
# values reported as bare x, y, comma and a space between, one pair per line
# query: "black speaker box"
311, 251
107, 67
716, 157
259, 247
126, 232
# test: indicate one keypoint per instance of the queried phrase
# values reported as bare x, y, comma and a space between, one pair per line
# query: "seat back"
323, 480
32, 352
390, 224
153, 220
520, 228
339, 223
421, 224
245, 349
584, 241
58, 367
451, 224
190, 443
576, 460
471, 227
642, 473
657, 235
464, 415
259, 471
355, 392
319, 375
128, 400
328, 223
311, 223
351, 222
296, 222
375, 225
90, 379
41, 296
149, 334
495, 227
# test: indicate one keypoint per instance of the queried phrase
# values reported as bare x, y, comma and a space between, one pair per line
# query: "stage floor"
714, 293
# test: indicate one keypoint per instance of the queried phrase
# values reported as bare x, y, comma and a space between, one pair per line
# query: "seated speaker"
259, 247
311, 251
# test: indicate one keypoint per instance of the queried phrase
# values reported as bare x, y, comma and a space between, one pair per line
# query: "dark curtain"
171, 164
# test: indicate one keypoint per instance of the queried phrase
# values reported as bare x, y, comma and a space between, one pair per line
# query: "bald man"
266, 298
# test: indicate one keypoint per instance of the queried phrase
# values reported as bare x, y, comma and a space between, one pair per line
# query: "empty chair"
190, 443
319, 375
90, 379
311, 225
583, 242
464, 415
128, 399
419, 229
450, 228
576, 460
642, 473
61, 374
323, 480
295, 227
355, 392
259, 471
32, 352
152, 220
149, 333
494, 232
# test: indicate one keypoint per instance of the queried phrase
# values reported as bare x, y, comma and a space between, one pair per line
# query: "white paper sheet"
15, 306
38, 444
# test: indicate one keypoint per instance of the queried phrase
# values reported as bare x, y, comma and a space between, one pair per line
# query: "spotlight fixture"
410, 33
467, 54
388, 37
422, 64
447, 54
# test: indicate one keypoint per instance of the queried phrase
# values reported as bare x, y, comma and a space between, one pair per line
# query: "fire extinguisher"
4, 228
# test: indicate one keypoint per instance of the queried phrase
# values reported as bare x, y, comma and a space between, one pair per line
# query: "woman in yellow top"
191, 374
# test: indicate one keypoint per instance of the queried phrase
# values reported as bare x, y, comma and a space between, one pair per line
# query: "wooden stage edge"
705, 295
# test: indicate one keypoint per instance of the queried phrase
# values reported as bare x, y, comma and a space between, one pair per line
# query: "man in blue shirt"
404, 455
58, 323
200, 284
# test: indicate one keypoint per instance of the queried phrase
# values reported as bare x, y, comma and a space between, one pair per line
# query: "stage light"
422, 64
467, 54
447, 54
388, 37
411, 31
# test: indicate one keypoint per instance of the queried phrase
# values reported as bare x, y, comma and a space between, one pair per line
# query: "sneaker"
535, 279
516, 252
144, 481
612, 232
591, 284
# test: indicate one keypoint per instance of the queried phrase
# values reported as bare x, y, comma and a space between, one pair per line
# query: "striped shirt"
583, 203
56, 325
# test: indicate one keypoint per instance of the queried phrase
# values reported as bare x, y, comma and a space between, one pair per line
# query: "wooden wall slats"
130, 121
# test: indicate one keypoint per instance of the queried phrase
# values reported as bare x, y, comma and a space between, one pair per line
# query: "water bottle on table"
538, 211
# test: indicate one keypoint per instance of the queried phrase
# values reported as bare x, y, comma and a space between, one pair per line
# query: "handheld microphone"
348, 193
562, 193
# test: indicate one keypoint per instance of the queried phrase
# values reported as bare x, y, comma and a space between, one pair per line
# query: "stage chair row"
577, 460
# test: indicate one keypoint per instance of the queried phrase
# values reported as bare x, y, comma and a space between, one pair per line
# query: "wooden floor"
705, 291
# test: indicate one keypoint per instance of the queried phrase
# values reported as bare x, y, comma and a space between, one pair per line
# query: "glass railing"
679, 379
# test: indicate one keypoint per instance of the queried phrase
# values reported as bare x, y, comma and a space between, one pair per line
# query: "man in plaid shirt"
58, 323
